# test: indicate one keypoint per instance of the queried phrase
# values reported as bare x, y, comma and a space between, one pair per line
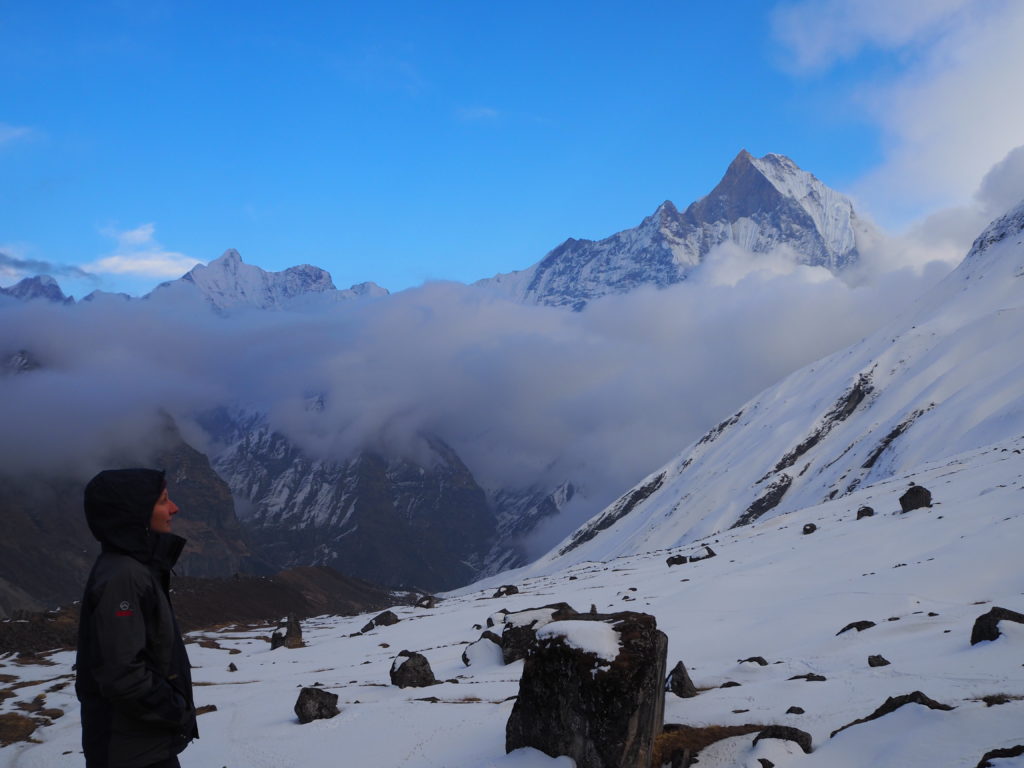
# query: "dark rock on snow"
810, 677
795, 711
411, 670
865, 512
679, 682
788, 733
291, 637
385, 619
996, 754
507, 589
986, 626
232, 667
427, 601
810, 528
759, 660
490, 619
676, 560
316, 704
892, 704
878, 661
917, 496
487, 640
860, 626
601, 714
765, 762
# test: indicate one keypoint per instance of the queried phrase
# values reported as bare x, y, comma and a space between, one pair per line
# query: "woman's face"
163, 511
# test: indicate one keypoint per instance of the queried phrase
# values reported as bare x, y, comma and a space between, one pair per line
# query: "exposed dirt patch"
15, 727
689, 740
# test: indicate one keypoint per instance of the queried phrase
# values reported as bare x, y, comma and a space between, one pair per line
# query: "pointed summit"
760, 204
38, 287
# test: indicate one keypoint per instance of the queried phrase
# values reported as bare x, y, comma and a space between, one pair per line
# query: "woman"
133, 671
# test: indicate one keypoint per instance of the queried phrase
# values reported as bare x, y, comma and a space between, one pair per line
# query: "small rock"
795, 711
997, 754
788, 733
765, 762
508, 589
878, 661
676, 560
860, 626
316, 704
810, 677
232, 667
810, 528
916, 497
679, 682
427, 601
729, 684
865, 512
759, 660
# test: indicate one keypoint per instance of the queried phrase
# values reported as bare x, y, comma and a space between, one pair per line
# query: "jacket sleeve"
123, 670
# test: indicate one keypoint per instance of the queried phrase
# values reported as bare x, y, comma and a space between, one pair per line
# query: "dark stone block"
878, 661
676, 560
411, 670
997, 754
679, 682
507, 589
316, 704
810, 528
860, 626
986, 626
795, 711
601, 714
865, 512
916, 497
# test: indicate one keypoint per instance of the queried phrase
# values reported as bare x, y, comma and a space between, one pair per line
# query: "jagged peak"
1007, 225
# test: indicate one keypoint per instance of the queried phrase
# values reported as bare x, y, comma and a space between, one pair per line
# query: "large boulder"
292, 636
917, 496
411, 670
316, 704
520, 628
592, 689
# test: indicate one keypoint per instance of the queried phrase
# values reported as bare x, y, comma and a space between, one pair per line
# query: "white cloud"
9, 133
952, 113
138, 253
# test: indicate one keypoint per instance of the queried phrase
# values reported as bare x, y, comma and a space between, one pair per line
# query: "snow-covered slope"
921, 577
944, 379
228, 283
761, 204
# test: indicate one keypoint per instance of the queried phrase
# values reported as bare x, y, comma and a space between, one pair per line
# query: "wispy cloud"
138, 253
472, 114
952, 114
10, 133
14, 267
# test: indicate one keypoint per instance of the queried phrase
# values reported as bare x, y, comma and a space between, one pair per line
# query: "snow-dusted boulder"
592, 689
411, 670
520, 632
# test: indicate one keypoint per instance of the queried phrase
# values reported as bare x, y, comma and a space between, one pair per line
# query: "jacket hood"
119, 506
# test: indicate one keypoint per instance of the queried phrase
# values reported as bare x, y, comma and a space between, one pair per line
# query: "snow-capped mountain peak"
37, 287
760, 204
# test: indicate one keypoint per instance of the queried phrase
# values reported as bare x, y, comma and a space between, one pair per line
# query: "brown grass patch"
682, 738
206, 708
15, 727
7, 678
35, 705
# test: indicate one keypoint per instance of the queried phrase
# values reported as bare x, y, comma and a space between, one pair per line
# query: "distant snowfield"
922, 577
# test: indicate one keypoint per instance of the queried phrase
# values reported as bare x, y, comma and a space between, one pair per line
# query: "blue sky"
453, 140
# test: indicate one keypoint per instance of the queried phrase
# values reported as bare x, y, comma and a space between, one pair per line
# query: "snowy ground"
922, 577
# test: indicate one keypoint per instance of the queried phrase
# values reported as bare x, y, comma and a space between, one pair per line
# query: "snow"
771, 592
594, 637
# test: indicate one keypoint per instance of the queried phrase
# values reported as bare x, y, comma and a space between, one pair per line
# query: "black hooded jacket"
133, 678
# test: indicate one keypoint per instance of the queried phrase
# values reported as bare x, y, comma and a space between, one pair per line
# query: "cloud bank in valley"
526, 395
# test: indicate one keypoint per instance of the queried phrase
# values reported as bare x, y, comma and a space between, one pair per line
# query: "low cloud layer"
526, 395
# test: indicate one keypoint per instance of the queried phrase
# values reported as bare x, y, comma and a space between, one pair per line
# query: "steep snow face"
228, 283
944, 379
760, 204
